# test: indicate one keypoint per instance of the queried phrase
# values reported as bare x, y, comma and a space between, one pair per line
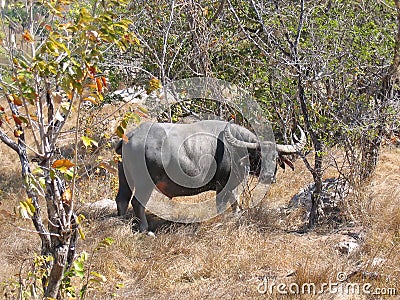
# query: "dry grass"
229, 256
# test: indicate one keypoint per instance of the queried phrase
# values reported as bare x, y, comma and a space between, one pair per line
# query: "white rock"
347, 247
102, 204
378, 261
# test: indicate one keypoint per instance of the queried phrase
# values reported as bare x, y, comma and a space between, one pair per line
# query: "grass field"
229, 257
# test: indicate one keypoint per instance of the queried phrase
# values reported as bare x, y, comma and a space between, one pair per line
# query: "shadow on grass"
109, 213
261, 218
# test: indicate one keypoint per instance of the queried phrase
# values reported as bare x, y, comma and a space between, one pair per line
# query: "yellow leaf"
143, 109
29, 204
117, 158
17, 133
99, 277
91, 99
154, 84
15, 99
81, 233
92, 86
80, 218
26, 209
33, 117
88, 141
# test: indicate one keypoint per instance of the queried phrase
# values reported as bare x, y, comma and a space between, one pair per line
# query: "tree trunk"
56, 274
317, 171
37, 216
62, 229
370, 150
316, 195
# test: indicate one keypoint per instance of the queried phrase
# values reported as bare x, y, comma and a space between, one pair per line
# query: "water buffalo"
187, 159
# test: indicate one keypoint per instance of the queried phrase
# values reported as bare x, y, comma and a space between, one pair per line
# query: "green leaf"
42, 182
80, 274
83, 291
78, 266
101, 277
37, 171
88, 141
120, 131
105, 243
23, 119
69, 173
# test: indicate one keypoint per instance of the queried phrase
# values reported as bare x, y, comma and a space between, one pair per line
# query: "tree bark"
60, 260
317, 170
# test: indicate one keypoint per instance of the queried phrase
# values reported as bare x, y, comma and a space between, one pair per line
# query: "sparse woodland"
331, 67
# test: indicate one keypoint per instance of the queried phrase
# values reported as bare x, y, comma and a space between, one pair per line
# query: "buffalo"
188, 159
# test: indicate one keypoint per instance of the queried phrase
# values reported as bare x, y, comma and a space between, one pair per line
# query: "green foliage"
128, 118
25, 209
28, 286
88, 142
79, 279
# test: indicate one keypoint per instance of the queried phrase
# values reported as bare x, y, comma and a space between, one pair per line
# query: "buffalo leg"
124, 192
140, 209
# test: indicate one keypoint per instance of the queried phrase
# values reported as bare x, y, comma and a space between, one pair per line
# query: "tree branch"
9, 142
217, 13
